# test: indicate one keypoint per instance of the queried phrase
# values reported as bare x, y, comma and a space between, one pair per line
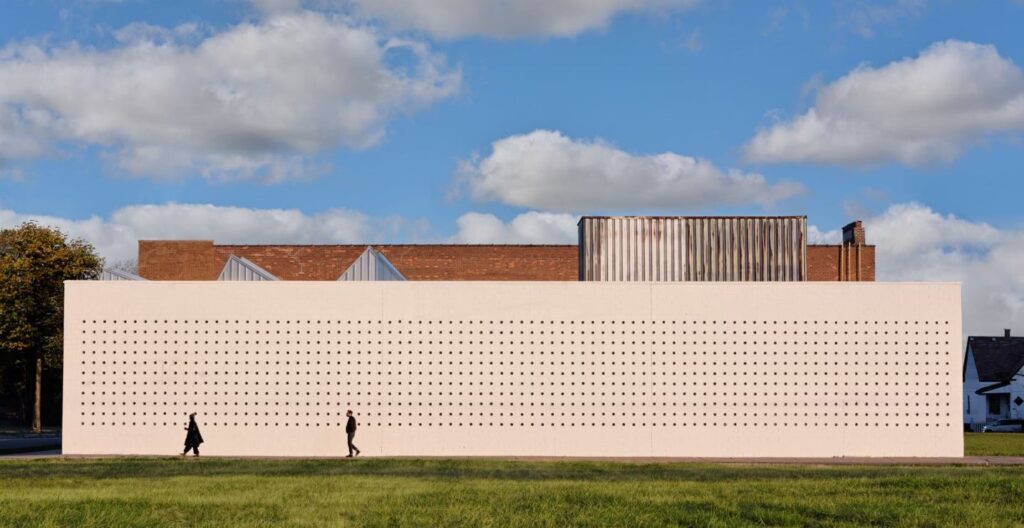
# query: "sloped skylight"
372, 265
242, 269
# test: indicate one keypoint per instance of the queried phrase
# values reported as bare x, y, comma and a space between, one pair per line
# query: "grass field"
994, 444
399, 492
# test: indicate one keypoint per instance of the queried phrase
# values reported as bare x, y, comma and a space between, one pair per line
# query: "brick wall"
178, 260
202, 260
840, 263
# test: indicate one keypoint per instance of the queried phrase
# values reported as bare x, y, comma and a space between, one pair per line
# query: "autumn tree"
35, 261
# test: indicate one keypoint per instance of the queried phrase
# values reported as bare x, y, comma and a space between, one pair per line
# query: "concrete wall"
489, 368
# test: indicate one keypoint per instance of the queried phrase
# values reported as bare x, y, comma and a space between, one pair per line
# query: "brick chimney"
853, 234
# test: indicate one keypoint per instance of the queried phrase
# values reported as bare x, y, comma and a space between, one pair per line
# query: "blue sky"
636, 84
409, 120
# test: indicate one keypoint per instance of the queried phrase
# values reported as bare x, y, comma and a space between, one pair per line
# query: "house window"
994, 404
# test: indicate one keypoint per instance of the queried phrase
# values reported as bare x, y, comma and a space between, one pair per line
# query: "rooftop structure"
693, 248
612, 248
204, 260
242, 269
371, 266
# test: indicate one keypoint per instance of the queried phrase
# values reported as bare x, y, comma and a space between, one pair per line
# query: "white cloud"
527, 228
116, 237
817, 236
910, 230
547, 170
22, 134
915, 243
914, 111
508, 18
503, 19
862, 17
253, 101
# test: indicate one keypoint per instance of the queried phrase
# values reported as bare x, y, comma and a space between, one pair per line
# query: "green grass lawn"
994, 444
401, 492
152, 492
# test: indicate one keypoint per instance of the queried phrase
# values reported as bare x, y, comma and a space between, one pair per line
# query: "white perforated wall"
484, 368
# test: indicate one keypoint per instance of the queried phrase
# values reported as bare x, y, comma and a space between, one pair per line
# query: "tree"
35, 261
129, 265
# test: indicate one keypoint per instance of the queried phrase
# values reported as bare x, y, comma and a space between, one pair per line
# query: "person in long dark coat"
350, 429
192, 437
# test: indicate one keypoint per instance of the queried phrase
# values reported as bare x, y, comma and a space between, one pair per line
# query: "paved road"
13, 445
34, 454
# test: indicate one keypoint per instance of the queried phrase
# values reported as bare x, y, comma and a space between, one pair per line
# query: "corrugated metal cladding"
371, 266
242, 269
683, 248
114, 274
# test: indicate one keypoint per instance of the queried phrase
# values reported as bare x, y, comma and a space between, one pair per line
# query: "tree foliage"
35, 261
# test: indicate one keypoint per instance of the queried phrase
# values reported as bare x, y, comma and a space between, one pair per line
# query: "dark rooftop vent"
853, 234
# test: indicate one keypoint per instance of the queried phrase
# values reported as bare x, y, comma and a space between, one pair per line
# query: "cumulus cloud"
507, 18
254, 101
547, 170
22, 133
914, 111
916, 243
527, 228
116, 237
817, 236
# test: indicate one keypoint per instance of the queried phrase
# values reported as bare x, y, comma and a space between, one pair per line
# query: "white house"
993, 379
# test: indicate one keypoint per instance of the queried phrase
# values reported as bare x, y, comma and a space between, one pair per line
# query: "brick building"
852, 260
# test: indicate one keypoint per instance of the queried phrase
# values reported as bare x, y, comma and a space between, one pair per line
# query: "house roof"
997, 358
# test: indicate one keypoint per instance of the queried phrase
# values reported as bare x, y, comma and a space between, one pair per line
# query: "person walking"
350, 430
192, 437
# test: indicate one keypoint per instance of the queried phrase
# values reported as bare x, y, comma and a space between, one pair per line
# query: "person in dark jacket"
350, 429
192, 437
